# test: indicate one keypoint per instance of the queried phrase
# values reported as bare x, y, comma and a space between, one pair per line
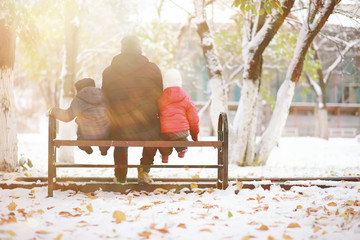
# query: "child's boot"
182, 153
165, 159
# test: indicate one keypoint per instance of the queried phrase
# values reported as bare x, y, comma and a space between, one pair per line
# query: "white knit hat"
172, 78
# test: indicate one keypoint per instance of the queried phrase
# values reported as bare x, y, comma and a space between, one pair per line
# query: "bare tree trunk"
217, 83
8, 134
68, 130
258, 34
320, 111
321, 114
321, 122
318, 15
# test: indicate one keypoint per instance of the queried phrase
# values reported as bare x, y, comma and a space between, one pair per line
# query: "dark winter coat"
178, 112
132, 85
90, 111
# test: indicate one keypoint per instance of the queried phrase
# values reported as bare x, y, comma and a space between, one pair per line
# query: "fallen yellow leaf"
247, 237
67, 214
317, 228
12, 206
299, 207
293, 225
42, 232
287, 237
332, 204
270, 238
210, 190
40, 211
263, 228
145, 207
161, 190
181, 225
130, 199
324, 232
162, 230
58, 237
32, 191
182, 199
119, 216
145, 234
329, 197
239, 185
196, 176
11, 233
90, 207
193, 185
91, 196
205, 230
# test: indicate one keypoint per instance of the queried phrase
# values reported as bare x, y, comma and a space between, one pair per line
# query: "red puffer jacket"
178, 112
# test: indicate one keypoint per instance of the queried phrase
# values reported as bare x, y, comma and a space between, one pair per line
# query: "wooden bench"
92, 184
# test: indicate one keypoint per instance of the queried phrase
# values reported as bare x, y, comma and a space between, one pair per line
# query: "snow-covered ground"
300, 213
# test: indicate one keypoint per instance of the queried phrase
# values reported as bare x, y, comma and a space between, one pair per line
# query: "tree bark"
217, 83
258, 35
318, 15
8, 134
68, 130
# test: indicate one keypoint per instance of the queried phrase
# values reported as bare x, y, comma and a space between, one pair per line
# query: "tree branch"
338, 60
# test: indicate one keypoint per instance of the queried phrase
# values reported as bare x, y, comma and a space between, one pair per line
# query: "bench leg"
51, 156
222, 182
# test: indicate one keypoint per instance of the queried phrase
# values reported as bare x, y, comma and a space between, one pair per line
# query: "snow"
300, 213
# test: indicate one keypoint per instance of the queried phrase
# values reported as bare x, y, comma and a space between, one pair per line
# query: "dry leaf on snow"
11, 233
161, 190
12, 206
90, 207
205, 230
145, 234
119, 216
193, 185
91, 196
58, 237
247, 237
263, 228
293, 225
287, 237
145, 207
181, 225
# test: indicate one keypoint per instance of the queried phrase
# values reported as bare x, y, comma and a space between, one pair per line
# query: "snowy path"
301, 213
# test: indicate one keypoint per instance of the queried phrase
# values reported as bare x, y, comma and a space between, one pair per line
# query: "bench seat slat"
72, 165
115, 143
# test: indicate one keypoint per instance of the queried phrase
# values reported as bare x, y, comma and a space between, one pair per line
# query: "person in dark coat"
91, 113
132, 85
178, 114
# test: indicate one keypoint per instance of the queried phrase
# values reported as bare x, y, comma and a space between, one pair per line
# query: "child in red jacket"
178, 114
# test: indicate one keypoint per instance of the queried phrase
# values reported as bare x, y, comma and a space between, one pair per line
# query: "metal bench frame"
221, 182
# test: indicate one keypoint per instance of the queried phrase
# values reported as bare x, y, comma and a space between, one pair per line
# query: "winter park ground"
299, 213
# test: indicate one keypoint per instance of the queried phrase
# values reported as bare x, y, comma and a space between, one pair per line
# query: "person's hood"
125, 64
91, 95
172, 95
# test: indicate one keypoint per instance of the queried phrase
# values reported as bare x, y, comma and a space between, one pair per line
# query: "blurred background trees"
168, 31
